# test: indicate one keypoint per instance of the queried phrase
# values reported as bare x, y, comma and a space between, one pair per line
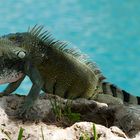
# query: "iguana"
53, 68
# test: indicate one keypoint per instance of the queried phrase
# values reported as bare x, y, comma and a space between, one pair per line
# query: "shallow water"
107, 31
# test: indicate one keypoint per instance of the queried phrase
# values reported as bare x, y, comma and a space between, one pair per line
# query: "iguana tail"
111, 89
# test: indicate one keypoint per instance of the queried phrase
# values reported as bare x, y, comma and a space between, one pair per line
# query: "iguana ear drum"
20, 54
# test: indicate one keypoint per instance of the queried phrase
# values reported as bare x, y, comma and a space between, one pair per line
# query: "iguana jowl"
54, 69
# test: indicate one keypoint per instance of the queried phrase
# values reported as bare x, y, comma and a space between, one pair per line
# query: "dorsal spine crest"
38, 35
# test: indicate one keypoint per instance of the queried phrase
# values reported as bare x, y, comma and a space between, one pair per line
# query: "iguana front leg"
37, 82
12, 87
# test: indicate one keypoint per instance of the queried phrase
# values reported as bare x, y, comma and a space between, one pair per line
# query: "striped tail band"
111, 89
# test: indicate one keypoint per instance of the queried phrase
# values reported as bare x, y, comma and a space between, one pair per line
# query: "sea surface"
108, 31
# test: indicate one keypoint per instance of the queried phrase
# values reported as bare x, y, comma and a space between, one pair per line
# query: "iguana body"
54, 69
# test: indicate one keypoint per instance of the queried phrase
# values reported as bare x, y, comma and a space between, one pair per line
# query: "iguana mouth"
9, 76
10, 70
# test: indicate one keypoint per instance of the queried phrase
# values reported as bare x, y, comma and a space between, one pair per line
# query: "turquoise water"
107, 31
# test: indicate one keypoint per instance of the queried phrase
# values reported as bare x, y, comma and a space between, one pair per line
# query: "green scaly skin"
53, 71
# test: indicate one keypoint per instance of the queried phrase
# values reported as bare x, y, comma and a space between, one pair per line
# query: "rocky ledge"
54, 118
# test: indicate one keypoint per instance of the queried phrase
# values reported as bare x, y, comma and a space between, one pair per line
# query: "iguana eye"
21, 54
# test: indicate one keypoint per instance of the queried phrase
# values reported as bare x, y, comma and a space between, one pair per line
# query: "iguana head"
10, 50
11, 61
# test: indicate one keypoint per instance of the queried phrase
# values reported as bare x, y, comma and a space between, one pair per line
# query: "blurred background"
107, 31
